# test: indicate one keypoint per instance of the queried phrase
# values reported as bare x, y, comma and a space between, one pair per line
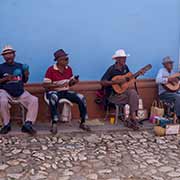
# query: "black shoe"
27, 128
84, 127
5, 129
53, 129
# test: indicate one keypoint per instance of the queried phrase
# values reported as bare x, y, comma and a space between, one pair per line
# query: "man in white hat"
130, 96
162, 78
13, 75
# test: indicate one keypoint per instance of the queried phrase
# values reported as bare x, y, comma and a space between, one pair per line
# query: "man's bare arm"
53, 86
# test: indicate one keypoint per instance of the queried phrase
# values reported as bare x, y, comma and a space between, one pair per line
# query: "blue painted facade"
91, 31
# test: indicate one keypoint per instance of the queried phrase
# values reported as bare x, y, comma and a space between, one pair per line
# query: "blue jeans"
172, 97
55, 96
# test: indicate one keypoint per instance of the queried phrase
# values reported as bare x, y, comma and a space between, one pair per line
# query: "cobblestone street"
116, 155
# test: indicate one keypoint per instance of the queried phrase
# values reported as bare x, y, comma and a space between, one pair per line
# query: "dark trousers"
172, 97
55, 96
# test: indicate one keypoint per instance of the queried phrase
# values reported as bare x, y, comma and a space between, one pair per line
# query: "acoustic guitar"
125, 81
173, 86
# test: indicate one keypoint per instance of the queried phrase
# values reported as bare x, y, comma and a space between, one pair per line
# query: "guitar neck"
176, 75
136, 74
146, 68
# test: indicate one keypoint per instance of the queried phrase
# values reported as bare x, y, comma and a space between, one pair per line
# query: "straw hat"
7, 49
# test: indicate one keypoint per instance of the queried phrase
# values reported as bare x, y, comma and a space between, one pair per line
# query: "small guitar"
64, 84
121, 83
173, 86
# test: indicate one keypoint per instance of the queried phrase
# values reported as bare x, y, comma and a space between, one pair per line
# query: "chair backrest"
62, 100
14, 101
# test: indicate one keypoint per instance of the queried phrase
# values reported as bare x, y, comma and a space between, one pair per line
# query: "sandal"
131, 124
134, 125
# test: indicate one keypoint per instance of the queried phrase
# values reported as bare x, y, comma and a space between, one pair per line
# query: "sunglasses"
66, 59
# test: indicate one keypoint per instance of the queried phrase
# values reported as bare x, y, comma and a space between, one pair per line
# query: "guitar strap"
135, 85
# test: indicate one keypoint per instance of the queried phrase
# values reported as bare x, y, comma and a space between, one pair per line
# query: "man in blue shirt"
163, 77
13, 75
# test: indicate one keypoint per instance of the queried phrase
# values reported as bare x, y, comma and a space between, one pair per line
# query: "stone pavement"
99, 155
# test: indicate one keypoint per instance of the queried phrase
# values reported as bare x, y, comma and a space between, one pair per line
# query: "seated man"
13, 75
130, 96
57, 80
163, 77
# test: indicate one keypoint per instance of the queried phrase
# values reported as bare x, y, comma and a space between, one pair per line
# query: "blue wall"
90, 31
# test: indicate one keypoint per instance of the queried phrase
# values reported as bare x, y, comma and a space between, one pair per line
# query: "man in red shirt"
58, 79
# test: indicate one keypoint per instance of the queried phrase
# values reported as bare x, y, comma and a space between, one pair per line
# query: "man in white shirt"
163, 77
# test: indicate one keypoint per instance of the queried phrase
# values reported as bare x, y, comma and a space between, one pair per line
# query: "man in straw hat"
13, 75
58, 78
130, 96
162, 78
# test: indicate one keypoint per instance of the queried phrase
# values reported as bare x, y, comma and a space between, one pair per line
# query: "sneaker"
53, 129
55, 119
5, 129
84, 127
27, 128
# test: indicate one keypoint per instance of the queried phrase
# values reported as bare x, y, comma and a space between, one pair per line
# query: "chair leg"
175, 119
66, 113
22, 113
107, 113
117, 114
121, 113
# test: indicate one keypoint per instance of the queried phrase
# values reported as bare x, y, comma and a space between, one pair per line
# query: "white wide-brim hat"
120, 53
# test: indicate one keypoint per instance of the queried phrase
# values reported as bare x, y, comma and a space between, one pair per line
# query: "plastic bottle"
140, 104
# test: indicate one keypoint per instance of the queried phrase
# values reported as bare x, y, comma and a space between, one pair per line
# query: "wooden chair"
22, 110
118, 113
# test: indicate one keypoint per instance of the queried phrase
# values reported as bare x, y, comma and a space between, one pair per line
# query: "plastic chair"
66, 104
